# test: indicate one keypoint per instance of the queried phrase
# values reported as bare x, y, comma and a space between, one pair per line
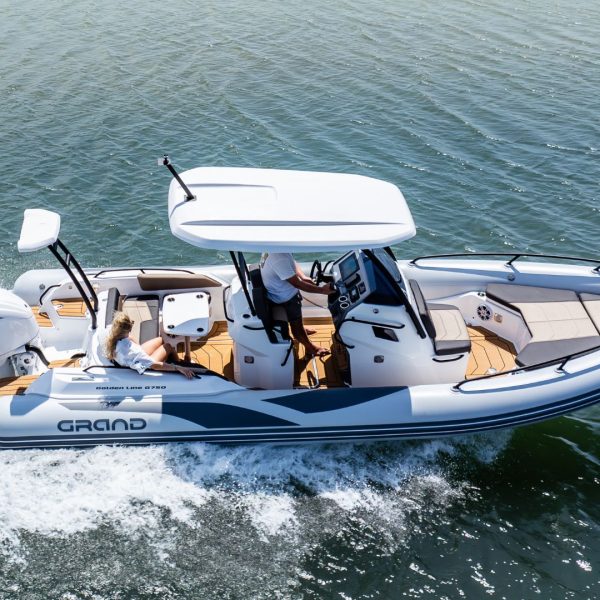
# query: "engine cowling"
18, 326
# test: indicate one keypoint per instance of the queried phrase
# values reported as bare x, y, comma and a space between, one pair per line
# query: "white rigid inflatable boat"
419, 348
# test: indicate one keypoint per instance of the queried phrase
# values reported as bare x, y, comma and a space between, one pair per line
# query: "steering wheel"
316, 272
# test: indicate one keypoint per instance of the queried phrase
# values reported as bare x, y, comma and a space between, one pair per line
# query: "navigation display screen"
349, 266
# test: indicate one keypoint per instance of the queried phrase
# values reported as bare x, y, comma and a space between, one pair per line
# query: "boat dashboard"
370, 276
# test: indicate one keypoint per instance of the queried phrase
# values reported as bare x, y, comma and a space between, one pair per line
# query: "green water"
484, 114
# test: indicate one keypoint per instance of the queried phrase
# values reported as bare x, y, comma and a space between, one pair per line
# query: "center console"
352, 281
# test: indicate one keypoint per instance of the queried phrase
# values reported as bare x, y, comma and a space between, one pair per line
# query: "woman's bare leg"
152, 345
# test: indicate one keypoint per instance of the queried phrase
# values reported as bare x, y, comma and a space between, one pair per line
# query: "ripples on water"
240, 518
486, 116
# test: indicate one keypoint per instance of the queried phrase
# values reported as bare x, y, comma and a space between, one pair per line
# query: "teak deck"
328, 374
215, 353
17, 385
73, 307
488, 351
9, 386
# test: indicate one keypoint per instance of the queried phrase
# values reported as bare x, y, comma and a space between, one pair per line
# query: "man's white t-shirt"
277, 268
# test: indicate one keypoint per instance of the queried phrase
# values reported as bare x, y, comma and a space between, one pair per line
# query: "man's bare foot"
317, 351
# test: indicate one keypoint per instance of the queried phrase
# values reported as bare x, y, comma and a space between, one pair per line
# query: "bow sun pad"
255, 210
40, 229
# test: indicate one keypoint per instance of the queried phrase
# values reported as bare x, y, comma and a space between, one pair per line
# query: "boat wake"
302, 494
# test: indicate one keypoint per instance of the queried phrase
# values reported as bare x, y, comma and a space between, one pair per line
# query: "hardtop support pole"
66, 262
167, 163
243, 278
71, 260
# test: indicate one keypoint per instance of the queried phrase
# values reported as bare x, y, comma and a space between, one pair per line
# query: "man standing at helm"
284, 279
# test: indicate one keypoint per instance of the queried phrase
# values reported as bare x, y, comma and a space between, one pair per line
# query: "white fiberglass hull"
96, 408
76, 407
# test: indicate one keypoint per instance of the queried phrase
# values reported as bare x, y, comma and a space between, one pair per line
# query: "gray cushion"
444, 324
539, 352
112, 305
550, 314
444, 347
143, 310
148, 330
451, 335
422, 307
520, 294
549, 321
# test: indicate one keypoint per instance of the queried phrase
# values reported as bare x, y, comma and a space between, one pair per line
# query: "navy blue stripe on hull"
306, 434
318, 401
213, 415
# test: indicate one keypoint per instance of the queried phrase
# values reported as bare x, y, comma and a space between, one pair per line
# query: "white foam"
279, 490
272, 515
62, 492
584, 564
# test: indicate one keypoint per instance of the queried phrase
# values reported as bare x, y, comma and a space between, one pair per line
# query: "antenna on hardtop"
167, 163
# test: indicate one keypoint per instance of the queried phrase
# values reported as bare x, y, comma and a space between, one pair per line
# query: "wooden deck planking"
489, 351
17, 385
74, 307
216, 353
42, 319
65, 362
9, 386
326, 365
71, 307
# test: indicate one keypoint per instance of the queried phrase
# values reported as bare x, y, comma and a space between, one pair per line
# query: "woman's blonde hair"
121, 324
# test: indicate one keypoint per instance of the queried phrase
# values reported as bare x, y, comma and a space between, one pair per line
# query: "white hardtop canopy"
255, 210
40, 229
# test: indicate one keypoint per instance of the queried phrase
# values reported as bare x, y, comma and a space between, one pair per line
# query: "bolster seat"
451, 335
443, 323
273, 317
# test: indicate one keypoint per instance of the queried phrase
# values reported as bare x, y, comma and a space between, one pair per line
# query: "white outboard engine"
18, 328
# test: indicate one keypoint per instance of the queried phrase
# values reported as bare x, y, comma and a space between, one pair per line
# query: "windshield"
390, 265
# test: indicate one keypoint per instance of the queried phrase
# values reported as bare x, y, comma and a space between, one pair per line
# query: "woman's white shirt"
129, 354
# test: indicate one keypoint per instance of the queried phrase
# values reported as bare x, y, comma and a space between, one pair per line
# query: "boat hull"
214, 410
75, 407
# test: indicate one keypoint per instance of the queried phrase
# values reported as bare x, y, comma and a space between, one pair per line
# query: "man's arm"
300, 274
306, 285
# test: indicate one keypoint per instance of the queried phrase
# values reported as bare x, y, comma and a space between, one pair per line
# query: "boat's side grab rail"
338, 337
48, 289
90, 367
513, 257
374, 323
226, 289
205, 371
561, 362
142, 270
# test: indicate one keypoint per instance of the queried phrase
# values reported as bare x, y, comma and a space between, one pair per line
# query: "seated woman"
123, 349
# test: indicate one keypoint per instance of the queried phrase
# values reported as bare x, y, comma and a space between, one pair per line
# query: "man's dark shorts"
293, 308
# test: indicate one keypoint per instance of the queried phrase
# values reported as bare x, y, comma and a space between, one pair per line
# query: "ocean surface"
484, 113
